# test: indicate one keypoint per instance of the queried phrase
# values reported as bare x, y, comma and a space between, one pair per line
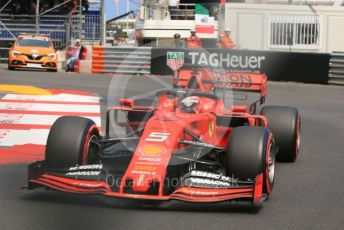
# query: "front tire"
251, 152
69, 142
285, 124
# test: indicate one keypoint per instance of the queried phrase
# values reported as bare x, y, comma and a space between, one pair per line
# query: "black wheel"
69, 142
250, 153
285, 124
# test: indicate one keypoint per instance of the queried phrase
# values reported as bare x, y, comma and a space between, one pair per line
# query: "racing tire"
69, 142
285, 124
251, 152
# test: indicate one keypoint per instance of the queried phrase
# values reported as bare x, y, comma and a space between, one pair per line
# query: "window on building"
294, 31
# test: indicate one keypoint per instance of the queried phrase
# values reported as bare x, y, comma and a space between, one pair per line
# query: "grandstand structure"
62, 20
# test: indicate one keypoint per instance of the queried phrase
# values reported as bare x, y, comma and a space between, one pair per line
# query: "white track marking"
19, 135
33, 119
58, 97
22, 137
49, 107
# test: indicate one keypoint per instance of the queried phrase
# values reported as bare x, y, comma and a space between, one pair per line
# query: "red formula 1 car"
193, 146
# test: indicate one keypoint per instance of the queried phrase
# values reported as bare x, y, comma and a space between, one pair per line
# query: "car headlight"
15, 53
52, 55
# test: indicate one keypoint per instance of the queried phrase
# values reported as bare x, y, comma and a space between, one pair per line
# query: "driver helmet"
189, 104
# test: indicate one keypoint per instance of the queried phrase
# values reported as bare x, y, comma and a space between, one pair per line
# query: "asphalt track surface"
308, 194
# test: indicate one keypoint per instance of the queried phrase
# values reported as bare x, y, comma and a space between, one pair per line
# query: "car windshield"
33, 42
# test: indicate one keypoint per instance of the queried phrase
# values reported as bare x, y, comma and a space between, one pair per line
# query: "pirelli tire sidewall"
285, 124
68, 140
248, 155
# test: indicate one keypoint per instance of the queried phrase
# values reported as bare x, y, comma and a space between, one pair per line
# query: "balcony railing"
157, 11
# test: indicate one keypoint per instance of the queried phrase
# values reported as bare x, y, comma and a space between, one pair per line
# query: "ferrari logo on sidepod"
211, 129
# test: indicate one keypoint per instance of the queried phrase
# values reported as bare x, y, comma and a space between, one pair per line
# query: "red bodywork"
208, 80
167, 130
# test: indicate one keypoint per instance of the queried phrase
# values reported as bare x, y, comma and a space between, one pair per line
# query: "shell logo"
152, 150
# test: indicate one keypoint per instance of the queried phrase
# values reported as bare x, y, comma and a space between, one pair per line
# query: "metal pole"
102, 23
37, 17
56, 6
117, 8
128, 16
80, 19
9, 1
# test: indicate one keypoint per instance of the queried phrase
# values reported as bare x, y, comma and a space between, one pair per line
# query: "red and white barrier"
25, 121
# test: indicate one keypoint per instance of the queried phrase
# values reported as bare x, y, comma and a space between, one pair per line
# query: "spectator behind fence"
225, 40
76, 54
178, 42
194, 41
86, 5
18, 7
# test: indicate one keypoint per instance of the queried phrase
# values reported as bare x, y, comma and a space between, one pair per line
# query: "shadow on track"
97, 201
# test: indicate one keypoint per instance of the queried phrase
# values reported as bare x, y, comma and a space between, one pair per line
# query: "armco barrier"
122, 60
278, 66
336, 73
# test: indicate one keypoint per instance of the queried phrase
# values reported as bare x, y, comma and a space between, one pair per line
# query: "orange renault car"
34, 52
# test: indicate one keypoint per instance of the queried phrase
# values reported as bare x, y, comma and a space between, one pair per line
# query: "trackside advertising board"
278, 66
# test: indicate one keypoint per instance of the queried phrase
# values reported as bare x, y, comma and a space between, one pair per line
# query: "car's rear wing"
236, 81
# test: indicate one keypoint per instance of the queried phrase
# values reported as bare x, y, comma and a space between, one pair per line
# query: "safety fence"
61, 28
122, 60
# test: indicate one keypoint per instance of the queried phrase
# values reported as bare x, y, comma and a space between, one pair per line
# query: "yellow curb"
24, 89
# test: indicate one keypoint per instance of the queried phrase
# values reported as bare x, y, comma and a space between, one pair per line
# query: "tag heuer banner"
277, 65
175, 60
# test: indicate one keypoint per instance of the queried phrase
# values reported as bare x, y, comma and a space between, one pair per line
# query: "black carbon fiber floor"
308, 194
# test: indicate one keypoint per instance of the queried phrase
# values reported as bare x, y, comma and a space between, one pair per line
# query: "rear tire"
251, 152
285, 124
69, 142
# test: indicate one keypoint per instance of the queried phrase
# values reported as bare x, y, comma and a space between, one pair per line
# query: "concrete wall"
251, 25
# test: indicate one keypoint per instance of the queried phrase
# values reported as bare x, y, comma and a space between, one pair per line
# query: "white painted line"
21, 137
58, 97
33, 119
50, 107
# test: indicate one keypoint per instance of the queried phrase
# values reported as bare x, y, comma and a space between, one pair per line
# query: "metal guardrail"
336, 72
123, 60
157, 10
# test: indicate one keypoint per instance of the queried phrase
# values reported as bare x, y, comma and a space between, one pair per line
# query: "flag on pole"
204, 23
